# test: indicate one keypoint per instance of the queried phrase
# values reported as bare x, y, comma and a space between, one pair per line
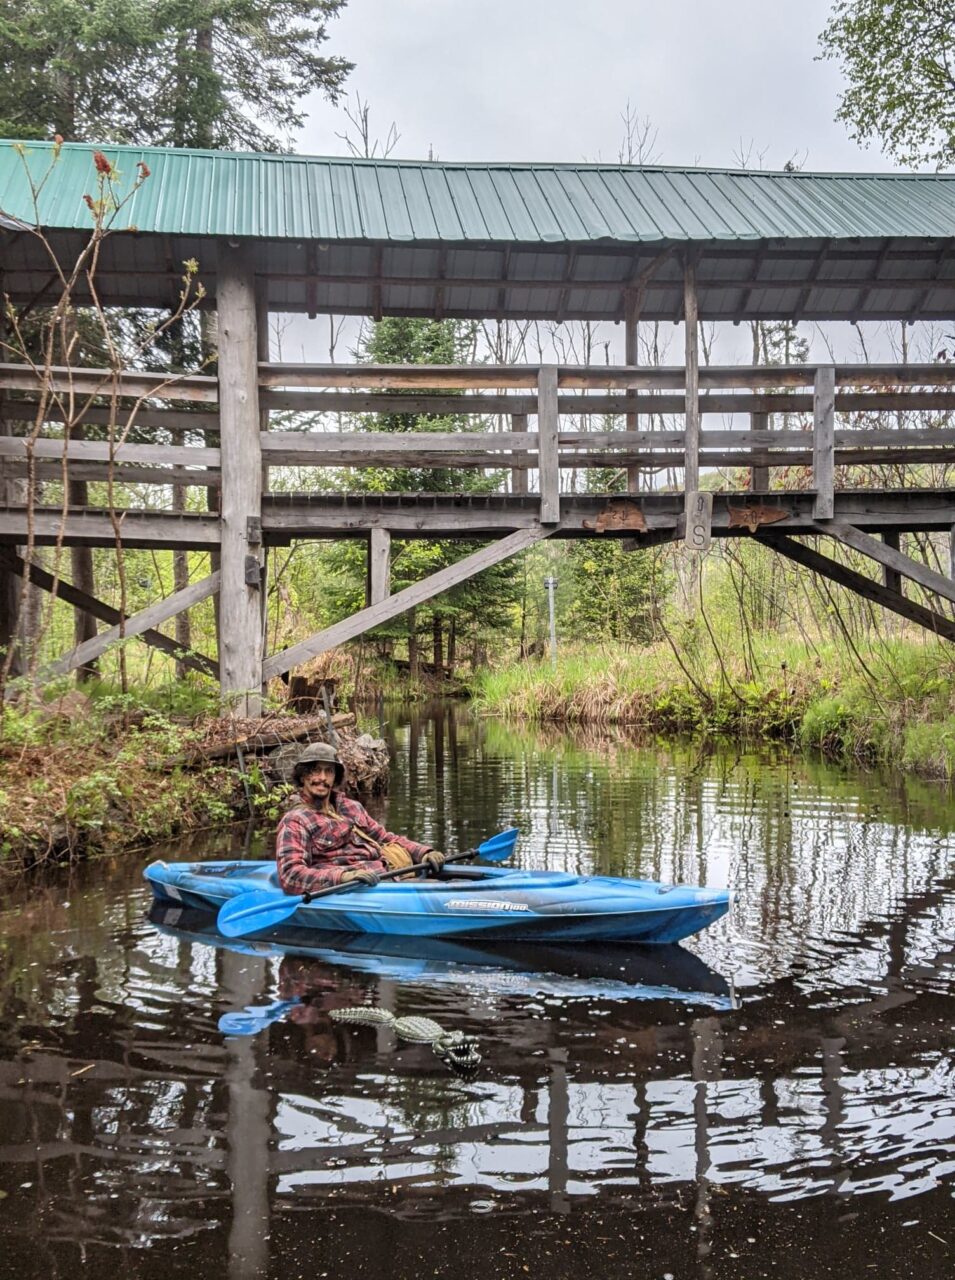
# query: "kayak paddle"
261, 909
253, 1018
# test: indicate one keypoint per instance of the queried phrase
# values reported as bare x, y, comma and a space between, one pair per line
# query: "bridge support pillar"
240, 611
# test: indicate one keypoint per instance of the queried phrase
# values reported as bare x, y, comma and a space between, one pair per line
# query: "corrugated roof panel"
504, 211
224, 193
554, 219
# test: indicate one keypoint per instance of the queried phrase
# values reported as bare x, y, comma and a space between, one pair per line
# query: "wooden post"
631, 358
891, 577
519, 478
759, 472
378, 586
240, 618
264, 352
951, 553
823, 447
691, 473
547, 426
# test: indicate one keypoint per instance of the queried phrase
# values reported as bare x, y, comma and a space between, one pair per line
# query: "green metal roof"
535, 241
215, 193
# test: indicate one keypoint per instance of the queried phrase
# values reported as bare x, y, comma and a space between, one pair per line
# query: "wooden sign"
699, 521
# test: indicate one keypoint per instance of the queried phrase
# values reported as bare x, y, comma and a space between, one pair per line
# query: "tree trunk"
437, 646
452, 645
413, 656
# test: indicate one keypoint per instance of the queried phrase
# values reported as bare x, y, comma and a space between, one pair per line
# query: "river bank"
86, 776
891, 702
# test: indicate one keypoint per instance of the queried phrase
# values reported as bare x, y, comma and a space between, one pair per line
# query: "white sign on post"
699, 521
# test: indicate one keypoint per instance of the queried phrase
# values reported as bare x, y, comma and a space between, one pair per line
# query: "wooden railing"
514, 397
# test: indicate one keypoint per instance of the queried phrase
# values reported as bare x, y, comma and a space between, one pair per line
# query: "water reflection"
801, 1052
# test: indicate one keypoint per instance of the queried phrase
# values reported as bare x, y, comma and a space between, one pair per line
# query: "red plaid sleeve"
296, 875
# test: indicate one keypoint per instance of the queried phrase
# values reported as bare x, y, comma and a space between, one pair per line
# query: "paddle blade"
250, 912
499, 847
252, 1019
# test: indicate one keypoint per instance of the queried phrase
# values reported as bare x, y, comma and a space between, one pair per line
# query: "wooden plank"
100, 415
309, 448
402, 601
106, 613
759, 472
823, 460
139, 528
589, 402
240, 618
547, 429
691, 472
98, 472
519, 476
140, 622
99, 451
857, 582
379, 566
885, 554
85, 382
631, 358
440, 377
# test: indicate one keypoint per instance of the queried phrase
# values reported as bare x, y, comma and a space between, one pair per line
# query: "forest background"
756, 646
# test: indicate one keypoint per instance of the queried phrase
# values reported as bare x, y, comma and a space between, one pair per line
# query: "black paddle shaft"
415, 869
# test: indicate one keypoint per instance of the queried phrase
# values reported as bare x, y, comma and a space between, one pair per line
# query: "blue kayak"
468, 902
612, 971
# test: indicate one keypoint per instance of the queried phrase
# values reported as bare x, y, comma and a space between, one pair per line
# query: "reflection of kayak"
568, 972
471, 902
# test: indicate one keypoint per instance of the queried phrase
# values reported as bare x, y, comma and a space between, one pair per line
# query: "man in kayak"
325, 838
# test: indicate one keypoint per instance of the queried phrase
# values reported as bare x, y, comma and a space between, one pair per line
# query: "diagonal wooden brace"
106, 613
402, 601
863, 586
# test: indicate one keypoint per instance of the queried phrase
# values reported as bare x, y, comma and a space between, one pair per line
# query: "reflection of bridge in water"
803, 1092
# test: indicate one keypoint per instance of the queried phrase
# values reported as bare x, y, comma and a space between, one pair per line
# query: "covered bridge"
274, 233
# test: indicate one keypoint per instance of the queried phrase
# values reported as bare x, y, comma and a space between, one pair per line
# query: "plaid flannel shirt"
313, 850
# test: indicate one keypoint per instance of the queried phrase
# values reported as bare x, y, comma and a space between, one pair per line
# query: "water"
776, 1098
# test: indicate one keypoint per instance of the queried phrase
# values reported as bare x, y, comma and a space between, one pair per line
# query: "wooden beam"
402, 601
631, 358
99, 382
499, 377
518, 477
824, 420
547, 430
134, 626
691, 474
100, 415
140, 528
885, 554
104, 612
379, 567
240, 629
483, 404
156, 455
759, 472
857, 582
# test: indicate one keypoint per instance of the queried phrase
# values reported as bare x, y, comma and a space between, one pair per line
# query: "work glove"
434, 860
364, 874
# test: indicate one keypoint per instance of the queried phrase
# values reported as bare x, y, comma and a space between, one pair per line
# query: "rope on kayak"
457, 1050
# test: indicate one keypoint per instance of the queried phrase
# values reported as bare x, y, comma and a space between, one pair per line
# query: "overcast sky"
549, 79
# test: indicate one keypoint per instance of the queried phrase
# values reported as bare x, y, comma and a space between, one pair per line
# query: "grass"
892, 703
